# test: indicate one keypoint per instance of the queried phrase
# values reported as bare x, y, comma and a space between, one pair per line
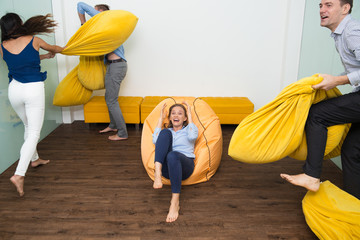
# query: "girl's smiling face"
177, 117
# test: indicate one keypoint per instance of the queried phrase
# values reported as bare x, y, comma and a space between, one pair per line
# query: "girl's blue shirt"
183, 140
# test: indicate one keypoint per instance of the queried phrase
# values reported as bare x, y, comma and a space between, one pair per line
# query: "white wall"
200, 47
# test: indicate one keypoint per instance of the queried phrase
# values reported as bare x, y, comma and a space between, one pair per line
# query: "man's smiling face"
332, 13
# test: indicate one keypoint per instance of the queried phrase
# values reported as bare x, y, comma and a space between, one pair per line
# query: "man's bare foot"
303, 180
39, 162
105, 130
116, 138
173, 211
18, 181
157, 182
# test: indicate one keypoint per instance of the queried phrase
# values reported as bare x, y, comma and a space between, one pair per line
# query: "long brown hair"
12, 26
169, 125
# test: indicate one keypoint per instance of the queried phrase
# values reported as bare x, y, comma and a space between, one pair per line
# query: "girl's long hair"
169, 125
12, 26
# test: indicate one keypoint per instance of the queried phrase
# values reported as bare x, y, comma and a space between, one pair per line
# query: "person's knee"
111, 102
350, 152
172, 158
165, 133
314, 116
33, 135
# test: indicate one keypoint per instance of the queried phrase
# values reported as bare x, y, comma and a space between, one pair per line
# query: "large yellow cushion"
277, 129
102, 33
332, 213
96, 111
71, 92
230, 110
208, 146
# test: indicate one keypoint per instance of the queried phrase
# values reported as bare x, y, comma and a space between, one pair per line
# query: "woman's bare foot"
18, 181
157, 181
116, 138
39, 162
157, 176
105, 130
174, 208
303, 180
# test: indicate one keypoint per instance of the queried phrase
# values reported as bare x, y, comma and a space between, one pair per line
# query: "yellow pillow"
277, 129
71, 92
91, 72
332, 213
102, 33
208, 146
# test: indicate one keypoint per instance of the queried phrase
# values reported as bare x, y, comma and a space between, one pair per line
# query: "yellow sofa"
230, 110
96, 111
148, 104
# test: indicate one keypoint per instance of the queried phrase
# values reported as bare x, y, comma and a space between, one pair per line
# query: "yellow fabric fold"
71, 92
277, 129
91, 72
332, 213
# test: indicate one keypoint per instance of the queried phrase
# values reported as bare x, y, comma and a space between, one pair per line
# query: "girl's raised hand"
163, 112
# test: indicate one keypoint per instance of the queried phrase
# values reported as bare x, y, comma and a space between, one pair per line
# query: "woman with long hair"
20, 51
174, 152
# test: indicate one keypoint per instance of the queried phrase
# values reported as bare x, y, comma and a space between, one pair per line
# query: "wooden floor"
97, 189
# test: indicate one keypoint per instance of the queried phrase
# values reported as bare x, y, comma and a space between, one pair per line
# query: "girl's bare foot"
39, 162
18, 181
303, 180
174, 209
116, 138
157, 175
105, 130
157, 181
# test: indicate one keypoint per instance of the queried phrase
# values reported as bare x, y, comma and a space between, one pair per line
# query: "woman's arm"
188, 112
159, 124
192, 129
39, 43
162, 116
47, 55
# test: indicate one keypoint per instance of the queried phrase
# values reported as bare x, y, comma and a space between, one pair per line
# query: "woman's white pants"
28, 101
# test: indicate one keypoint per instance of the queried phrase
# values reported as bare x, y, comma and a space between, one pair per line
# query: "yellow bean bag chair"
208, 146
71, 92
101, 34
277, 129
332, 213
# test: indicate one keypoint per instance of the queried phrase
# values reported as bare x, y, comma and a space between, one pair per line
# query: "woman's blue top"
183, 139
25, 66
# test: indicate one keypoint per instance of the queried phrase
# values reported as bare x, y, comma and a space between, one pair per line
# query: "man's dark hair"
103, 7
350, 2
